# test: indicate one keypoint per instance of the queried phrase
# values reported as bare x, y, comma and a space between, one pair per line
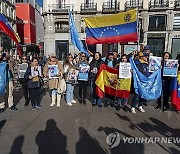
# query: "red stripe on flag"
175, 101
115, 39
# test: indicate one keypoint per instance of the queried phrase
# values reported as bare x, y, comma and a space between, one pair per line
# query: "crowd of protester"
32, 85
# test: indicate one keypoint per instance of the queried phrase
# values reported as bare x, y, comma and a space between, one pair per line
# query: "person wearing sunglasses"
83, 77
54, 71
71, 79
22, 80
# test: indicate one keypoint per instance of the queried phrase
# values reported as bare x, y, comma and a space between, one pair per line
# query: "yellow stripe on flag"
111, 20
108, 79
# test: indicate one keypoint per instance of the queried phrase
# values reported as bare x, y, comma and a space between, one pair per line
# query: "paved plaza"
83, 129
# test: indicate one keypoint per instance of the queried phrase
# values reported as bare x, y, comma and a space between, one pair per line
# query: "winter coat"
53, 83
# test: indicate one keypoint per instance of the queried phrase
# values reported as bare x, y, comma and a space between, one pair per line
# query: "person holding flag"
142, 66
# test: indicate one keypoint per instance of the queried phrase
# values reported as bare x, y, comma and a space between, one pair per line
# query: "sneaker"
125, 108
133, 110
141, 109
84, 101
118, 107
33, 108
39, 106
93, 104
165, 109
1, 110
13, 108
158, 108
69, 104
73, 101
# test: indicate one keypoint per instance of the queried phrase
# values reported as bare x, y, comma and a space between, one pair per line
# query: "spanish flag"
117, 28
107, 82
175, 93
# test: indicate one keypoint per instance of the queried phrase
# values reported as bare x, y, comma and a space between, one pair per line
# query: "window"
157, 23
176, 23
156, 45
62, 27
62, 49
175, 47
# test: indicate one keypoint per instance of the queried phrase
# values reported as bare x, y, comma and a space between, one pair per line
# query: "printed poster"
53, 71
154, 63
22, 70
170, 68
83, 72
72, 75
36, 71
125, 70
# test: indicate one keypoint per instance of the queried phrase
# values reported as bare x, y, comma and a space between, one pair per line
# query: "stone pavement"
83, 129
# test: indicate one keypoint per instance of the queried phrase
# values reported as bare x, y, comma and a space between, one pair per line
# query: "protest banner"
170, 68
36, 71
22, 70
154, 63
125, 70
53, 71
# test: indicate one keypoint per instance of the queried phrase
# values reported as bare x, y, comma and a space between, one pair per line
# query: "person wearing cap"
54, 82
142, 66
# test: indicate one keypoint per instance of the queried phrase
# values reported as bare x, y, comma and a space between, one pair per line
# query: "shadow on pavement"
87, 144
2, 123
158, 126
51, 140
121, 146
17, 145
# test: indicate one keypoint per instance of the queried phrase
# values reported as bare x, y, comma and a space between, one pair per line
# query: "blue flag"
149, 88
2, 78
75, 39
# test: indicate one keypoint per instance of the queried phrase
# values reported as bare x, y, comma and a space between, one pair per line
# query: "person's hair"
81, 57
124, 55
170, 56
67, 58
95, 54
34, 58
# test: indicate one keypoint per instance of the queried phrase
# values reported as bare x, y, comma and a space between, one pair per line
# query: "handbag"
61, 86
32, 84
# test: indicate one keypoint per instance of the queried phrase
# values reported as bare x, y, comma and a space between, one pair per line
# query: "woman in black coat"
33, 75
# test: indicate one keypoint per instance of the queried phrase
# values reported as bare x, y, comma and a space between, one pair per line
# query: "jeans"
165, 93
83, 89
69, 92
96, 99
34, 94
122, 101
136, 101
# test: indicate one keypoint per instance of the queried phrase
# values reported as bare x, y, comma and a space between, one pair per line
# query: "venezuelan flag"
117, 28
107, 82
6, 28
175, 93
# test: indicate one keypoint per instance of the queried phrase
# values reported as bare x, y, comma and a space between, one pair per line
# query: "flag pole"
138, 27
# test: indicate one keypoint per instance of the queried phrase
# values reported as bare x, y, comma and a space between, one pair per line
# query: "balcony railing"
158, 4
61, 30
60, 8
110, 7
177, 3
134, 4
88, 7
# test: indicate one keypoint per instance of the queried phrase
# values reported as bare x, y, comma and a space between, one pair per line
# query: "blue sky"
40, 2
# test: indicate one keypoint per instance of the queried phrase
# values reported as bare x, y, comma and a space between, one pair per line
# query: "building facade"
30, 25
7, 8
159, 24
